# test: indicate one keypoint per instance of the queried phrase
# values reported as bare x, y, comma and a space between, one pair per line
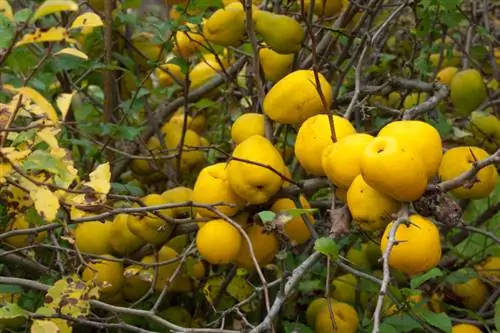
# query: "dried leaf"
54, 6
39, 100
87, 20
56, 34
73, 52
341, 221
46, 203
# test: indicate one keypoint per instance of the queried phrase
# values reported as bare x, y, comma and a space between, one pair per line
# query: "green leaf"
327, 246
438, 320
22, 15
418, 280
311, 285
267, 216
290, 327
403, 323
296, 212
386, 328
11, 311
33, 218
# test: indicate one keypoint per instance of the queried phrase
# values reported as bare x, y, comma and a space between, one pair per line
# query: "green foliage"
327, 246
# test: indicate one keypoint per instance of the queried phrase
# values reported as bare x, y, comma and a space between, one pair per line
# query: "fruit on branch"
446, 75
417, 248
151, 228
274, 65
473, 293
106, 272
325, 8
191, 157
465, 328
265, 246
394, 99
93, 237
341, 161
246, 125
179, 195
19, 222
393, 169
296, 228
422, 138
485, 129
181, 282
286, 104
196, 123
344, 288
169, 74
314, 136
145, 49
363, 256
458, 160
489, 268
281, 33
226, 26
467, 91
255, 183
188, 40
121, 239
206, 69
313, 308
149, 167
370, 209
345, 317
177, 11
449, 58
219, 242
414, 99
212, 186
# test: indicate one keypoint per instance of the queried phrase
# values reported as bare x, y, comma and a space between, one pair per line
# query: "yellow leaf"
14, 155
54, 6
73, 52
48, 135
6, 10
100, 179
64, 102
39, 100
56, 34
87, 20
46, 203
44, 326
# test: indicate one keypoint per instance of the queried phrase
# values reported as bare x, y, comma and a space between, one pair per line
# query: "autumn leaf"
87, 20
6, 10
56, 34
44, 326
100, 179
73, 52
46, 203
38, 99
54, 6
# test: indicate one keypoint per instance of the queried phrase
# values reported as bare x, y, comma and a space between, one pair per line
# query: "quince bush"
192, 165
